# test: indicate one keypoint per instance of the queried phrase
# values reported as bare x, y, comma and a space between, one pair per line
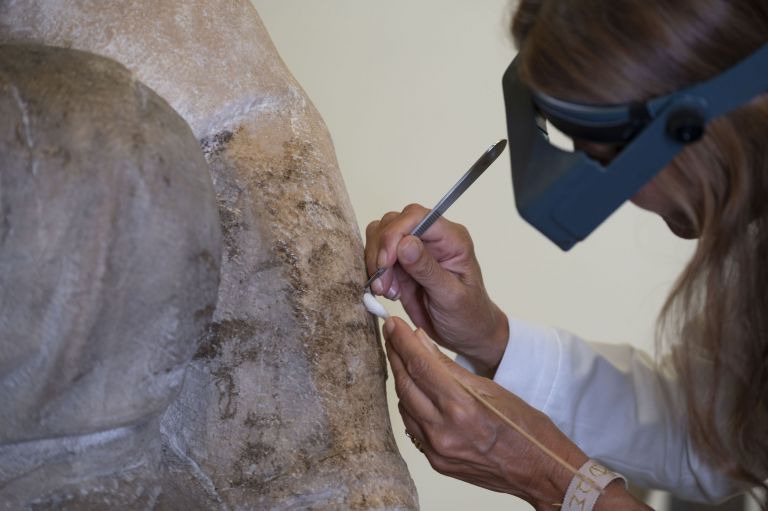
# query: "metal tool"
488, 157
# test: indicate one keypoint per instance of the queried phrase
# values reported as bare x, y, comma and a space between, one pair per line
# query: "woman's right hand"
439, 283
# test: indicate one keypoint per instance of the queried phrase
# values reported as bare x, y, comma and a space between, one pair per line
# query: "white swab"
374, 306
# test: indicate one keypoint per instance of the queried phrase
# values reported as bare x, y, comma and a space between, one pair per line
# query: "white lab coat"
615, 403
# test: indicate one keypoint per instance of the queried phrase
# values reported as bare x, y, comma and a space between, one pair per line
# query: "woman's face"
650, 197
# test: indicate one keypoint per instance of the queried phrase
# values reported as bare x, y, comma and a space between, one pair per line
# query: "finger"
371, 252
412, 398
449, 242
440, 463
412, 298
394, 230
428, 343
412, 427
419, 361
461, 399
370, 229
389, 217
420, 441
425, 269
372, 244
393, 293
467, 381
390, 234
452, 367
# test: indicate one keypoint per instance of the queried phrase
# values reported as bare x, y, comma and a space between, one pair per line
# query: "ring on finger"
415, 442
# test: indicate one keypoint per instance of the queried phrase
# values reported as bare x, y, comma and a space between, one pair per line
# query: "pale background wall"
411, 93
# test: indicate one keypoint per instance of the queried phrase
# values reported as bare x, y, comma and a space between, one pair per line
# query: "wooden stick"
527, 435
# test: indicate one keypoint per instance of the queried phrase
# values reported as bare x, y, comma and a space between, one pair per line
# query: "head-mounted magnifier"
567, 195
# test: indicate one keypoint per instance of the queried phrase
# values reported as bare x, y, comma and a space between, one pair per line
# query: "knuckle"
457, 413
389, 217
443, 444
413, 208
464, 236
371, 228
462, 231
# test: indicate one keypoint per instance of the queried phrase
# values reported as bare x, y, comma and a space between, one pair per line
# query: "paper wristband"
581, 495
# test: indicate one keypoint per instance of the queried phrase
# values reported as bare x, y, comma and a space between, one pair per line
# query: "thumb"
435, 351
421, 266
458, 373
451, 365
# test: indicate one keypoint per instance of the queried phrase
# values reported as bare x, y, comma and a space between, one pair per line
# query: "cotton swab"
374, 306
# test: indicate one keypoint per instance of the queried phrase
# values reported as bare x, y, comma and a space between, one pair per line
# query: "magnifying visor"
567, 195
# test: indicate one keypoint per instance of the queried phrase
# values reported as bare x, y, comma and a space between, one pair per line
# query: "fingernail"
382, 259
394, 291
377, 287
389, 326
409, 250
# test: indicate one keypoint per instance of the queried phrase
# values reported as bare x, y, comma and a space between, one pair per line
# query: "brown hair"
615, 51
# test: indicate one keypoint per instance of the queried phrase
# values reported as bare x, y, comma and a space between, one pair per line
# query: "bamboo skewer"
527, 435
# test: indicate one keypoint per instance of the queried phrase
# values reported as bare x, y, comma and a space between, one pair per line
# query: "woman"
696, 423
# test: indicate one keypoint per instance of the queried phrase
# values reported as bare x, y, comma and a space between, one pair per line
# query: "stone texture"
109, 260
283, 406
213, 61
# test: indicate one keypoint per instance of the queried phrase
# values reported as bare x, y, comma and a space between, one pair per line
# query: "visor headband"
566, 194
612, 124
620, 123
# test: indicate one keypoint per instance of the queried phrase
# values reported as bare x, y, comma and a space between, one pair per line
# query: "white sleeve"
615, 403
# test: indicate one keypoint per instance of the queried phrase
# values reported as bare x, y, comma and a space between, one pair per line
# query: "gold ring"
415, 442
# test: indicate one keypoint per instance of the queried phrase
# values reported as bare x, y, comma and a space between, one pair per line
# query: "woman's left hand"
460, 437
